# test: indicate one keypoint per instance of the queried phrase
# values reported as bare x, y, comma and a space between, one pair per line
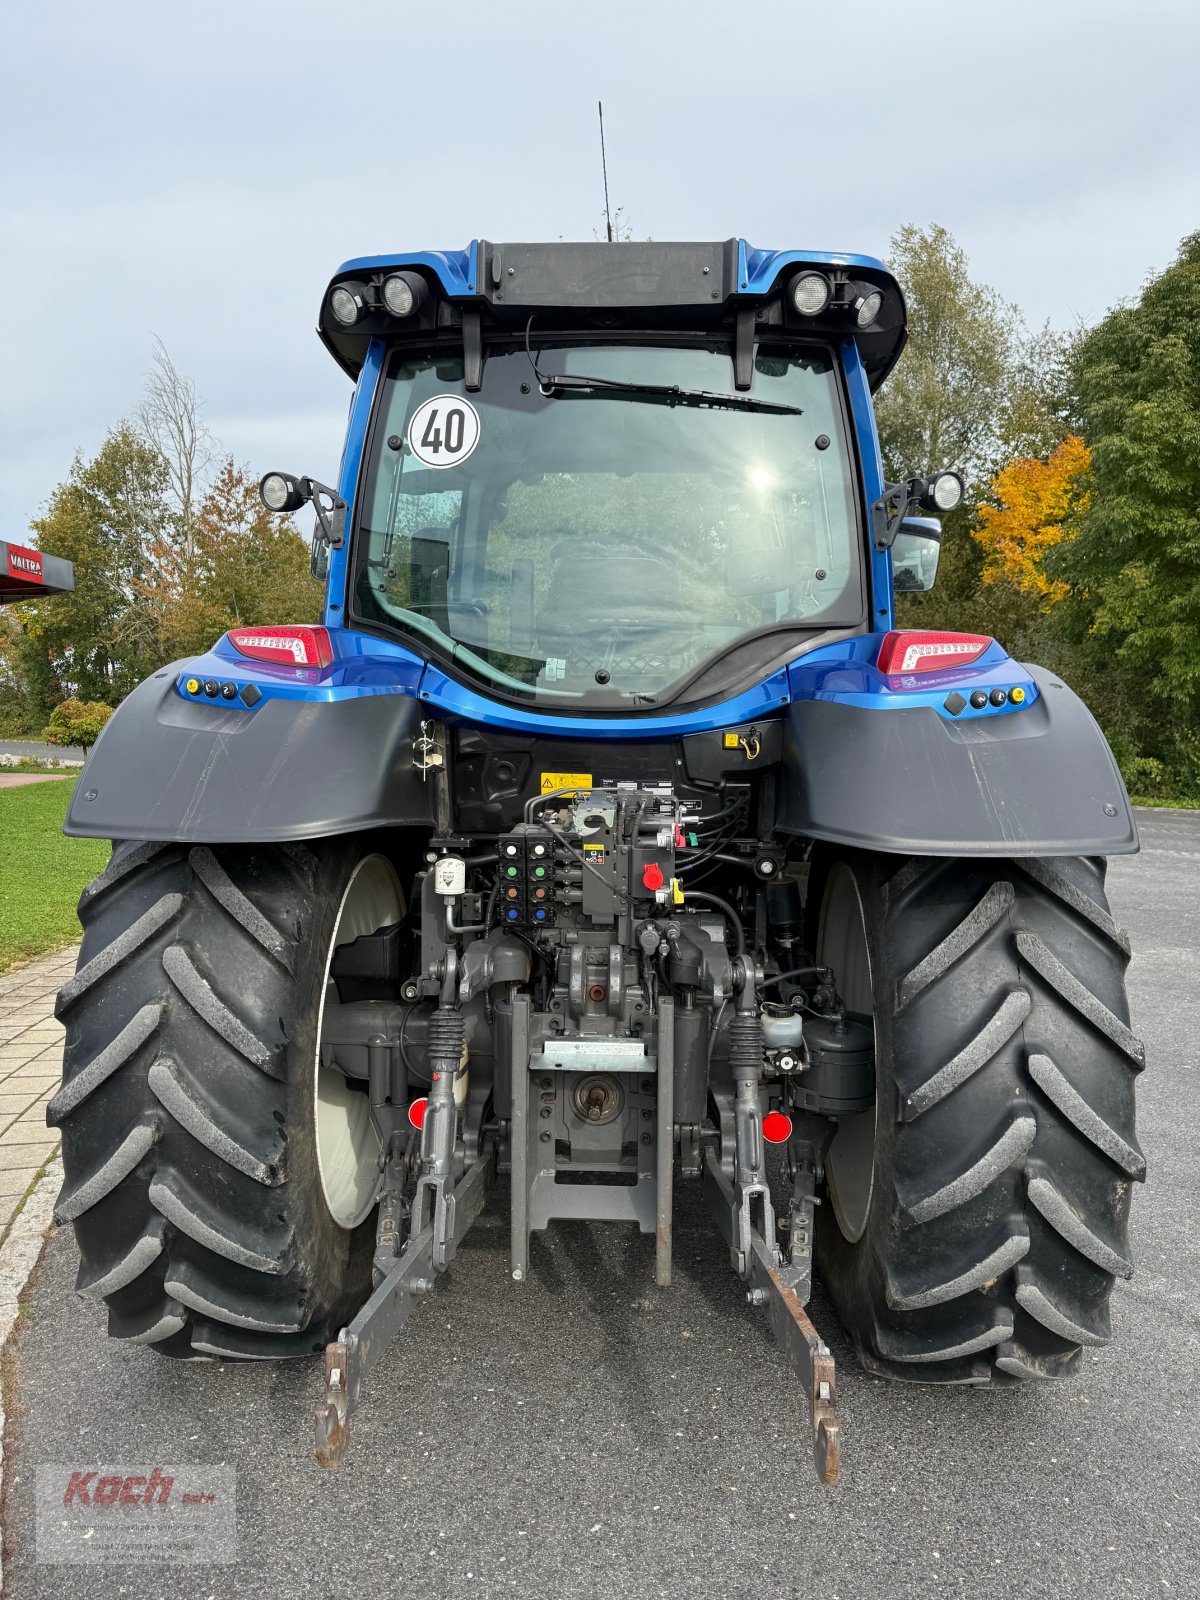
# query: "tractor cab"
592, 479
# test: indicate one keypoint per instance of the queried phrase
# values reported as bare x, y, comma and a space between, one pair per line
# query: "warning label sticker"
565, 780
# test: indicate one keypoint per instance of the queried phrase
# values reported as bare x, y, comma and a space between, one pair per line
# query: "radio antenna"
604, 169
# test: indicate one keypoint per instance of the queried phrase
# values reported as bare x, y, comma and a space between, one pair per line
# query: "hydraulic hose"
726, 910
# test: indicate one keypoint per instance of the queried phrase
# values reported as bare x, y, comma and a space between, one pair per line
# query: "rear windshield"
597, 548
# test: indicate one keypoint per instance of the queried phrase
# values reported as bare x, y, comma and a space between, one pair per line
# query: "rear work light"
284, 645
929, 652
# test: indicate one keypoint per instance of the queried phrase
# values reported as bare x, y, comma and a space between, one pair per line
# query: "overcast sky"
198, 171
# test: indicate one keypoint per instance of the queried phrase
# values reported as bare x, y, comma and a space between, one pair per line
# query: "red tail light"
929, 652
284, 645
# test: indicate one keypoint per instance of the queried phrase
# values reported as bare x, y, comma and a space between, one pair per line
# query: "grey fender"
1036, 782
168, 768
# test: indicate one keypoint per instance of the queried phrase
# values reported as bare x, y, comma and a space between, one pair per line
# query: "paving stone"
12, 1105
29, 1078
26, 1157
23, 1132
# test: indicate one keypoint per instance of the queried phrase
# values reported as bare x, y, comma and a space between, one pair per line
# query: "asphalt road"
589, 1435
38, 751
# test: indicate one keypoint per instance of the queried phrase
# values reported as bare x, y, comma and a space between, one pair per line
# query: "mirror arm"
331, 519
888, 513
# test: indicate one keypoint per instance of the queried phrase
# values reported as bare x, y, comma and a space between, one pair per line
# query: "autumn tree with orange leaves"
1035, 505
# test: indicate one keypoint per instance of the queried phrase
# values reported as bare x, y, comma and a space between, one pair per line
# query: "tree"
171, 421
105, 518
77, 722
1134, 569
1035, 504
972, 389
941, 406
622, 228
163, 564
18, 719
243, 564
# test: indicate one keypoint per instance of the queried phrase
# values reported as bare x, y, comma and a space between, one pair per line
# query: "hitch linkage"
444, 1207
442, 1212
745, 1215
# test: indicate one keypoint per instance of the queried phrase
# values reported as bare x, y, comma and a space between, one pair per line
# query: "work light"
946, 491
399, 295
348, 304
867, 306
810, 293
279, 491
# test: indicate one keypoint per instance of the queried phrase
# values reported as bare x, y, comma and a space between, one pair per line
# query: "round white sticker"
443, 431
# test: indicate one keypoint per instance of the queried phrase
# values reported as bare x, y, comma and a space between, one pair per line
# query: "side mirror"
319, 559
915, 552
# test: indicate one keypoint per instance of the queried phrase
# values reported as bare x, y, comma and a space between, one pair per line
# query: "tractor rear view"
604, 833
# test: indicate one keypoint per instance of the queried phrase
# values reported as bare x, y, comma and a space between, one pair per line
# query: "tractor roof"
692, 284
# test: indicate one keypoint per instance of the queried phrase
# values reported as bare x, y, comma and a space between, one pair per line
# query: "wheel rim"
348, 1144
842, 946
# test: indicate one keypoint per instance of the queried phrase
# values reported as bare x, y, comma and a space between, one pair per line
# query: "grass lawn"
41, 872
1166, 805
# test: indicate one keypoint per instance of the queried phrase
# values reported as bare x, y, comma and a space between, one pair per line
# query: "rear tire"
979, 1217
189, 1109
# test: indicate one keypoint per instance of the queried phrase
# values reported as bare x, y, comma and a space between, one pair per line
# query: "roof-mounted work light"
810, 293
402, 293
348, 304
867, 307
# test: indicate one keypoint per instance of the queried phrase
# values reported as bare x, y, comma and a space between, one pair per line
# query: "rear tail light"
929, 652
284, 646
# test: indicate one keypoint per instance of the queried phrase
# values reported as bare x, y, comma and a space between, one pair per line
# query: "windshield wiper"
562, 382
551, 383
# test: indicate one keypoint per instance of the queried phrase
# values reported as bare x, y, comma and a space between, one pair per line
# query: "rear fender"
167, 767
884, 774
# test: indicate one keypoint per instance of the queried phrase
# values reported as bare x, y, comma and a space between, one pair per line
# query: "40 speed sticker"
443, 431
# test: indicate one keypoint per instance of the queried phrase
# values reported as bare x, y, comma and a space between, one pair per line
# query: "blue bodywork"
366, 665
229, 749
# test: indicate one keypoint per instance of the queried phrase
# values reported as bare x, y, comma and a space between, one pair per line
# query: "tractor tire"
979, 1217
188, 1106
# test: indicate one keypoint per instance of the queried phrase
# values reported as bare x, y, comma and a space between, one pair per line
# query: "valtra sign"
27, 574
23, 563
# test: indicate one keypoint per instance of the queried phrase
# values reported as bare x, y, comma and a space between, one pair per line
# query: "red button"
777, 1127
652, 876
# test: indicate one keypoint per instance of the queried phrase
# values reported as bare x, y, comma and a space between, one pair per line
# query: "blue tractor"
606, 836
